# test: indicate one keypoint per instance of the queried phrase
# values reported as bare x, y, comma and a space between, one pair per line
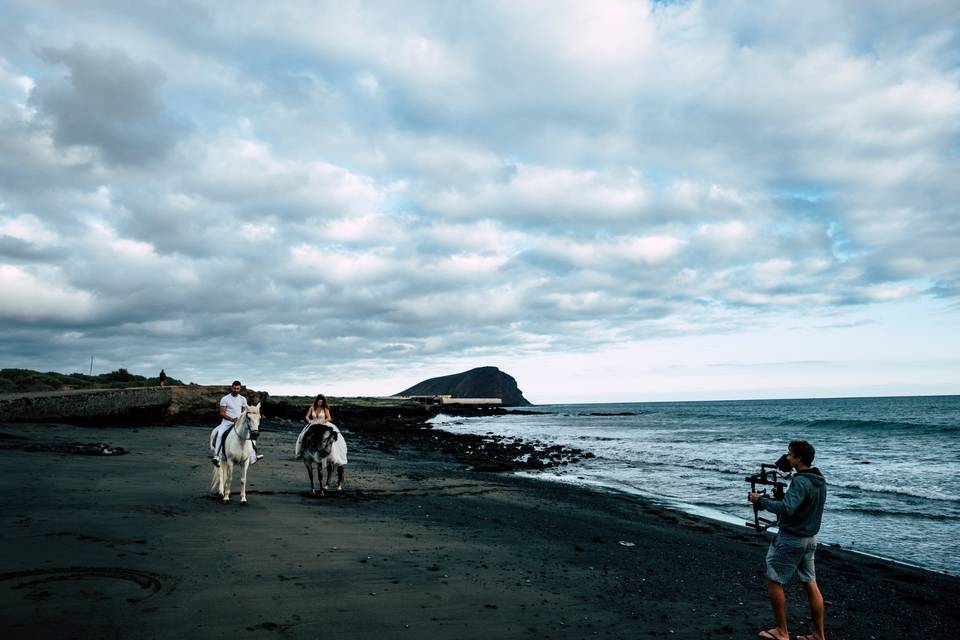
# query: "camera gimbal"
768, 476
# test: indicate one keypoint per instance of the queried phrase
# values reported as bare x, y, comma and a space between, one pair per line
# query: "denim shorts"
789, 554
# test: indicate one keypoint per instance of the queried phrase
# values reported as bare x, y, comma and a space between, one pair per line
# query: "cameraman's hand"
753, 497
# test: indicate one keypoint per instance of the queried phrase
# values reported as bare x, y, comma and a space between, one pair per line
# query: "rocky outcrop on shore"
482, 382
385, 423
389, 424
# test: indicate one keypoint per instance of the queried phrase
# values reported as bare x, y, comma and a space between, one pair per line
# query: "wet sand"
417, 546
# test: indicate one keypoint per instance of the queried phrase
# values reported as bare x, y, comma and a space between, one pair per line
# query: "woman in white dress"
319, 413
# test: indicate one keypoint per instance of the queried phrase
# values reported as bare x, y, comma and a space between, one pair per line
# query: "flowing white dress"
338, 452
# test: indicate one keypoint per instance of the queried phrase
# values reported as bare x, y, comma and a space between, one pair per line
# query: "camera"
769, 476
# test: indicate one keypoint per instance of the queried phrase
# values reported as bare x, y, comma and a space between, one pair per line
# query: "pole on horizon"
91, 365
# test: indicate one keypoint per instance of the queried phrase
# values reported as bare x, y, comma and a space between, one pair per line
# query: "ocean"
892, 464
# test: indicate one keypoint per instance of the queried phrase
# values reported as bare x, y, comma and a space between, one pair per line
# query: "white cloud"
888, 292
543, 193
371, 228
14, 86
28, 228
247, 173
33, 297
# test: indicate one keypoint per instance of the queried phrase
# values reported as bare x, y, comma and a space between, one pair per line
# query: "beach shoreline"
417, 544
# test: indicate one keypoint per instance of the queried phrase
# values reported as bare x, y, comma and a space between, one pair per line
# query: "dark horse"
317, 445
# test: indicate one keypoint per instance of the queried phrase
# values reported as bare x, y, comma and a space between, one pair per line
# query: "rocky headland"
481, 382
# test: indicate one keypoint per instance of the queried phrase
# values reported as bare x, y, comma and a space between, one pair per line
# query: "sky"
611, 201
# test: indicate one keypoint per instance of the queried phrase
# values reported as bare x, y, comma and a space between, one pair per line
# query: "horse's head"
253, 420
328, 437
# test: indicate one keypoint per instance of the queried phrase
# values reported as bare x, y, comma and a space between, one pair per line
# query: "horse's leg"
309, 465
341, 474
243, 481
323, 476
227, 479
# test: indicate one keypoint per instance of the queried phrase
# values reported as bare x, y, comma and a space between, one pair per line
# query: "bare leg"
778, 601
341, 475
816, 608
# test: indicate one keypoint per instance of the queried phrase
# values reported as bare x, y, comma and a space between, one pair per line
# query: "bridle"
245, 416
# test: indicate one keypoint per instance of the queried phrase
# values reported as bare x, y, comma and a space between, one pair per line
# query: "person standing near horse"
163, 377
319, 413
231, 406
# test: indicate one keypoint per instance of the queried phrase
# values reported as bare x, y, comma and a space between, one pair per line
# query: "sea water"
892, 464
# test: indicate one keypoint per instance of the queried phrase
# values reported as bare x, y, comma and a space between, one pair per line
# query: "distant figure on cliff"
791, 552
231, 406
163, 377
319, 413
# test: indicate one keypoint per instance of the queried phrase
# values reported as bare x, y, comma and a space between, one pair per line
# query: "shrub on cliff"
25, 380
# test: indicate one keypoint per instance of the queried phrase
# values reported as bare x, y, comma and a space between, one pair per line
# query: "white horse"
237, 450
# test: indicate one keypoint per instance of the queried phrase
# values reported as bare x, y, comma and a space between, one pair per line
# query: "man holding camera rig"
791, 552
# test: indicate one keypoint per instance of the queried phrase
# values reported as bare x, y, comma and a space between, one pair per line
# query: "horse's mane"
318, 437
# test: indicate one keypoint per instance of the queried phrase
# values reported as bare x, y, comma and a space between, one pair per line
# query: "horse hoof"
243, 503
226, 500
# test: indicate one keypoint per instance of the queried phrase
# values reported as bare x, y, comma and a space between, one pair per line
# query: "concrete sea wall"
130, 406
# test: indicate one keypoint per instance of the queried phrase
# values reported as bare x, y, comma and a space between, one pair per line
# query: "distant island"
482, 382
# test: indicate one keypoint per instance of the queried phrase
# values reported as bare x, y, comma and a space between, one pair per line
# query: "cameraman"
792, 550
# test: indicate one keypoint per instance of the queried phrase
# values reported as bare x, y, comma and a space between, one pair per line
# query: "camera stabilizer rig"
768, 476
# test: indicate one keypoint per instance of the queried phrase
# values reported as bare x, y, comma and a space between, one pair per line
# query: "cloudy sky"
608, 200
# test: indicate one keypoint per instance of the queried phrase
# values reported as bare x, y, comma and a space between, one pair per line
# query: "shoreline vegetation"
123, 539
14, 381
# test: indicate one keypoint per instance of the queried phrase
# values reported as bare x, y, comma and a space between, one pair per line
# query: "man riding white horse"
231, 406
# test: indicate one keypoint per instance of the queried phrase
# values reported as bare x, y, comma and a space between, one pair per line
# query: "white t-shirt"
234, 405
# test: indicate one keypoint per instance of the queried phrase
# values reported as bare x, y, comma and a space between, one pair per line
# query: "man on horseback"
231, 406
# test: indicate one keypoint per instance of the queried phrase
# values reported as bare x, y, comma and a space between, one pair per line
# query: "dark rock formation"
482, 382
121, 407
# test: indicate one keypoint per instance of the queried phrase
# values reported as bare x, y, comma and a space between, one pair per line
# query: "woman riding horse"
319, 414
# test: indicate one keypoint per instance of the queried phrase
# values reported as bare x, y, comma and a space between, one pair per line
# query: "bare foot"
773, 634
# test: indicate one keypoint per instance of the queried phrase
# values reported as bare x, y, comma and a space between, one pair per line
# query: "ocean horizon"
888, 460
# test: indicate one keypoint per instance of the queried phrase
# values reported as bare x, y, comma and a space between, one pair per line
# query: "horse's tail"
215, 480
213, 437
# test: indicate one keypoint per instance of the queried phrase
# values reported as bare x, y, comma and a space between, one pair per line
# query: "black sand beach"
417, 546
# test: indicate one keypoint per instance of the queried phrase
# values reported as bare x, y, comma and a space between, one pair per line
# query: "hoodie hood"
812, 476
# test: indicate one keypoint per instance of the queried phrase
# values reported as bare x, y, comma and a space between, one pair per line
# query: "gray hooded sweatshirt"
801, 509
